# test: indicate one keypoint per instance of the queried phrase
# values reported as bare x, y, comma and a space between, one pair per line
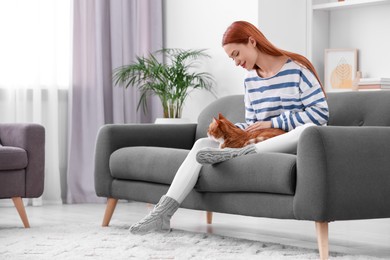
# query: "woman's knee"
298, 130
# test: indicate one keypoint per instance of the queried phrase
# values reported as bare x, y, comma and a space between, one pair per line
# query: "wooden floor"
368, 237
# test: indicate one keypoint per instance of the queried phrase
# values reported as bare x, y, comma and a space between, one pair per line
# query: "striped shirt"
291, 98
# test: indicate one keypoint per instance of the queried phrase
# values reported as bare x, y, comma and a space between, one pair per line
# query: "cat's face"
214, 132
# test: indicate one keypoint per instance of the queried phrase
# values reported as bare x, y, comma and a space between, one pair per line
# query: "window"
35, 43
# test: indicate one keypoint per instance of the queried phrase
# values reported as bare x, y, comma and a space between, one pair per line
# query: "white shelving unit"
347, 4
361, 24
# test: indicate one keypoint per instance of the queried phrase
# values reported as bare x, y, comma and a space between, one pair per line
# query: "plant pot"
172, 121
173, 109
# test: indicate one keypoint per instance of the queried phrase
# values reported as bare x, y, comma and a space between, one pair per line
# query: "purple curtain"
106, 35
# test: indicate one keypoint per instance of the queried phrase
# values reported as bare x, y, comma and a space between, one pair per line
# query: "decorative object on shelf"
340, 68
374, 83
172, 81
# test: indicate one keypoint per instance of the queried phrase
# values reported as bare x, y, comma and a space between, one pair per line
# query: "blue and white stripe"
291, 98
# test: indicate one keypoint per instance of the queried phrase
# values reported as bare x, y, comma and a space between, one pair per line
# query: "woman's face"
244, 55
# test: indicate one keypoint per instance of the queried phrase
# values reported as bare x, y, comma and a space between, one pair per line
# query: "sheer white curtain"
35, 60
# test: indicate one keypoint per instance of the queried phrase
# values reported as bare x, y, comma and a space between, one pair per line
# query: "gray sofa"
340, 172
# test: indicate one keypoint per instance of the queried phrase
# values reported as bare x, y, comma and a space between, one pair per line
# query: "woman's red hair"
240, 31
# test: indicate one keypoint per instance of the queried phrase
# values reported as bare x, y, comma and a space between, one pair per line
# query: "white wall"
198, 24
284, 27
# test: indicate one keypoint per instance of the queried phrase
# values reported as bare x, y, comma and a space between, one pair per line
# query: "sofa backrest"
352, 108
359, 108
232, 107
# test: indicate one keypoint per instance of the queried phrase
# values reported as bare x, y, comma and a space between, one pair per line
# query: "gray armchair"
22, 163
340, 172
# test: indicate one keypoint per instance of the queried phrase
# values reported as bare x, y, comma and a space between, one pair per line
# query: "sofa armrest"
115, 136
343, 173
30, 137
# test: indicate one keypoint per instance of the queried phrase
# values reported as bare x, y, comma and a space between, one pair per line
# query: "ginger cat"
229, 135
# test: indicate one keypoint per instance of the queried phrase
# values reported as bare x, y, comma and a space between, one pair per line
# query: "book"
373, 86
374, 83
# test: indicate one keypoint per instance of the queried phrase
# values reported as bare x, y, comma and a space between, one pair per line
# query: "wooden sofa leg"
209, 216
18, 202
111, 204
322, 239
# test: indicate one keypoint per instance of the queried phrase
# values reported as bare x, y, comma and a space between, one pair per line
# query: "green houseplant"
171, 81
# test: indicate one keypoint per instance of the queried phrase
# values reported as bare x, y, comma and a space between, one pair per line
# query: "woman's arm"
259, 125
313, 102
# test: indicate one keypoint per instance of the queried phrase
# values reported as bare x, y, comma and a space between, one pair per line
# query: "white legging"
187, 175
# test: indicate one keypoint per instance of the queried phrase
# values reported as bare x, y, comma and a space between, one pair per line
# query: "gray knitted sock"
159, 218
214, 155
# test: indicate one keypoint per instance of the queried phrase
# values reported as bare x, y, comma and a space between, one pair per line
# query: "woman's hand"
258, 126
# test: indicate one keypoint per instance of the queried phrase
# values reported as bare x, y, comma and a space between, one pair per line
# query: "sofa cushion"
269, 172
152, 164
12, 158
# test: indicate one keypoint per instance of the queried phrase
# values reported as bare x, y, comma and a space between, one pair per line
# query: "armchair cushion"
12, 158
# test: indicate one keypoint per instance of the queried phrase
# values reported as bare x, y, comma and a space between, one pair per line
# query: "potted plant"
171, 81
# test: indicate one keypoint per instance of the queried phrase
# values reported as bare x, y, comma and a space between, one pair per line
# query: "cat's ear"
221, 116
215, 120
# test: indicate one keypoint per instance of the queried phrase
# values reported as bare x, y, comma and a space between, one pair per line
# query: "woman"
282, 90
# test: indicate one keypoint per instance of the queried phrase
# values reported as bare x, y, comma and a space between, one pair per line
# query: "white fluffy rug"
90, 241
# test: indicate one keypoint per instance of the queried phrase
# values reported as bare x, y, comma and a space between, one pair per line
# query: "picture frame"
341, 66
